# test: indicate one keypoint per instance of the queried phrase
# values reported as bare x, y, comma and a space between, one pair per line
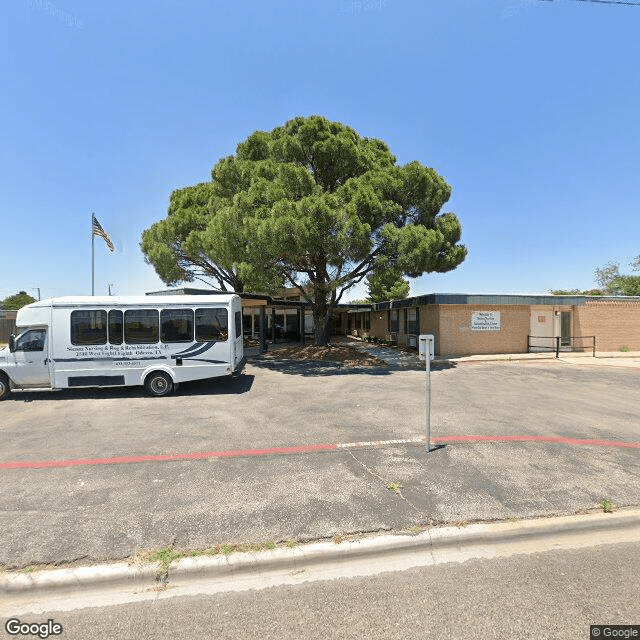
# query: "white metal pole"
428, 409
93, 261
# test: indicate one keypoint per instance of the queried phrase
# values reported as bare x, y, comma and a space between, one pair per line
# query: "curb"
276, 566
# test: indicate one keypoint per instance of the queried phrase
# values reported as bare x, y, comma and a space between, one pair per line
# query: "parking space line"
237, 453
546, 439
240, 453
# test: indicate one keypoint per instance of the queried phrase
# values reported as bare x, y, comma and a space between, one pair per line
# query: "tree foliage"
577, 292
312, 205
17, 301
386, 285
614, 283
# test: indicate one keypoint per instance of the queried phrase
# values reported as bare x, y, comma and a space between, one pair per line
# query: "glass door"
565, 328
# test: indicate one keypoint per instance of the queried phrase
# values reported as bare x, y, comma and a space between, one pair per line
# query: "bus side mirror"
12, 343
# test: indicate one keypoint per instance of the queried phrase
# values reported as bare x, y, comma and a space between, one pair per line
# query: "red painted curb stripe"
44, 464
554, 439
236, 453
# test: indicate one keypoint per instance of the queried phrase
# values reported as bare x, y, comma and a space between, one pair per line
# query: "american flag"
99, 231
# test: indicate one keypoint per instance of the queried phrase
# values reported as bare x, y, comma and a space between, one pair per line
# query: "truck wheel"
158, 384
5, 387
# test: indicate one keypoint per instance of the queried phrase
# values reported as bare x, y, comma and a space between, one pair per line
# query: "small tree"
387, 285
17, 301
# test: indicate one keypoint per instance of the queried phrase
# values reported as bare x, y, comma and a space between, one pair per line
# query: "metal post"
301, 324
93, 260
273, 325
428, 411
557, 346
425, 343
263, 334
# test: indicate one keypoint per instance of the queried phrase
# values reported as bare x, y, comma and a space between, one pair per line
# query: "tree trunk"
321, 318
321, 329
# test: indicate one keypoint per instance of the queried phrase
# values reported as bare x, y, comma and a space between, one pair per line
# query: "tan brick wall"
615, 324
379, 323
455, 336
429, 323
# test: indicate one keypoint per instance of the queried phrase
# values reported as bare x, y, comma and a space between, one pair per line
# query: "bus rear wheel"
158, 384
5, 387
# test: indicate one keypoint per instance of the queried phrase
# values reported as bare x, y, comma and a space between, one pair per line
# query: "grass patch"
395, 486
608, 506
165, 557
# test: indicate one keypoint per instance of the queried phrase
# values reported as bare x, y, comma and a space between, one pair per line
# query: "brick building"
465, 324
462, 324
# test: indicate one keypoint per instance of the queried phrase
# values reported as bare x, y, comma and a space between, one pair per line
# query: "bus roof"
137, 301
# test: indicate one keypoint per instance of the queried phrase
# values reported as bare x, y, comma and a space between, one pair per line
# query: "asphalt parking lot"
100, 510
274, 405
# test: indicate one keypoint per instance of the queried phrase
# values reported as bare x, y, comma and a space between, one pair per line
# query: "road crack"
397, 490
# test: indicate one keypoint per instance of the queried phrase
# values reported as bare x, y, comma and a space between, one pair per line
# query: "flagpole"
93, 259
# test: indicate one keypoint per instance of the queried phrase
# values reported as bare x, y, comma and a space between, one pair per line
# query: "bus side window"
89, 327
212, 324
115, 326
141, 326
176, 325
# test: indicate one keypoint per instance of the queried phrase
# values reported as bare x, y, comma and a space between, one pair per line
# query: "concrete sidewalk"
408, 359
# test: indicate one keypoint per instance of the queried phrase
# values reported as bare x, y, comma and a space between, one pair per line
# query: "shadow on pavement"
224, 385
328, 368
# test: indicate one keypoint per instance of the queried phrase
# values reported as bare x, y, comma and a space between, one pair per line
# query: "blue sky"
528, 108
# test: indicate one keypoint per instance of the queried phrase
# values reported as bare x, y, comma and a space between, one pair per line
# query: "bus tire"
5, 387
158, 384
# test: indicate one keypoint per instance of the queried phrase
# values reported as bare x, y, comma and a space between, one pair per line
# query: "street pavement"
295, 451
554, 595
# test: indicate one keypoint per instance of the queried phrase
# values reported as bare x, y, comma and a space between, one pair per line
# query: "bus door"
31, 358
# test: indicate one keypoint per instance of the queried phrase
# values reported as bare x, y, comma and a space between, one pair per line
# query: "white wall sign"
485, 321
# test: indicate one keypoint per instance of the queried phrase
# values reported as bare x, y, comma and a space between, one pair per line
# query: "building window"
413, 326
394, 322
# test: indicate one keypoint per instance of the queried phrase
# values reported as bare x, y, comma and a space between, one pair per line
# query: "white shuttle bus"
155, 341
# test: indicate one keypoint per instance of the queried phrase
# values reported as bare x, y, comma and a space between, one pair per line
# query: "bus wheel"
5, 387
158, 384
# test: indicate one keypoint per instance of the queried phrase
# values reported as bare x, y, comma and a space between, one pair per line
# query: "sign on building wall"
485, 321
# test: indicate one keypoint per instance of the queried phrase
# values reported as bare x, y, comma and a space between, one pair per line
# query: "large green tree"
615, 283
17, 301
311, 205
